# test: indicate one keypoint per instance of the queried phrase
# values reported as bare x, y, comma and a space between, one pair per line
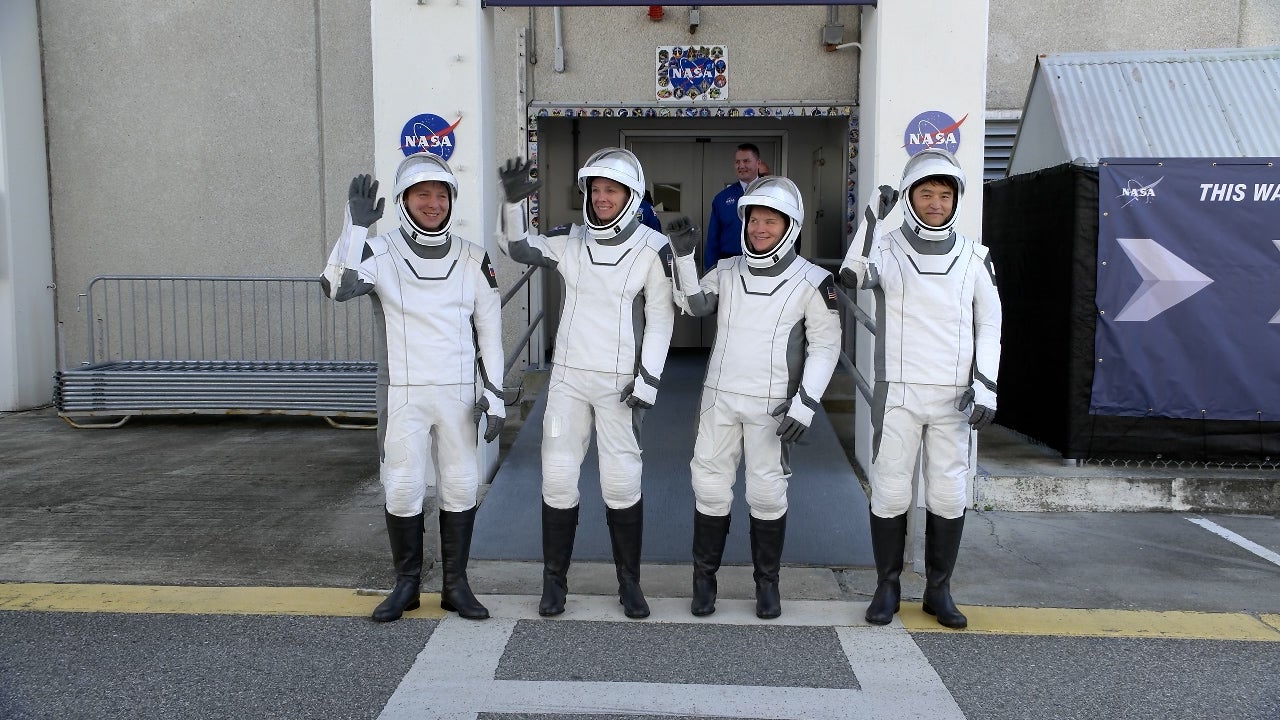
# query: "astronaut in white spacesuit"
610, 349
436, 298
936, 358
777, 343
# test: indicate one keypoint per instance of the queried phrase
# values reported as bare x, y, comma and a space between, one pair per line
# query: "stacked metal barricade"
220, 345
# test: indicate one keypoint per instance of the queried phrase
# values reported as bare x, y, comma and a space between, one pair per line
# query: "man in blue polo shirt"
724, 229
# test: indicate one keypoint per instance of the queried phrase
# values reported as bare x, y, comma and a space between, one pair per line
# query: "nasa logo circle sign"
932, 128
428, 133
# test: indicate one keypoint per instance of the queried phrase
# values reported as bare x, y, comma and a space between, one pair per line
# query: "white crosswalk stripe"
454, 675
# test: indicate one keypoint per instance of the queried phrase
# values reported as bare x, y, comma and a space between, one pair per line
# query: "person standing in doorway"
611, 347
777, 343
936, 358
724, 227
439, 366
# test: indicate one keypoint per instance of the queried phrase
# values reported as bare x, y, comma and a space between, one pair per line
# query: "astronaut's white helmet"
424, 167
780, 194
928, 163
622, 167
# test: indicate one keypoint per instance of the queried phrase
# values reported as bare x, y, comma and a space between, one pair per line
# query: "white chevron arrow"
1166, 280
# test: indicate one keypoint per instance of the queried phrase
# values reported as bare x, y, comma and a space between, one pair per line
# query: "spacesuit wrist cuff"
644, 391
982, 395
801, 412
496, 407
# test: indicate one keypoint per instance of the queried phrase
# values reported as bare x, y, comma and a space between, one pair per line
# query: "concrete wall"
192, 138
195, 138
1020, 30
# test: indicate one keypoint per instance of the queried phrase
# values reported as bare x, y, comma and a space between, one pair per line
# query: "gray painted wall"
197, 138
193, 138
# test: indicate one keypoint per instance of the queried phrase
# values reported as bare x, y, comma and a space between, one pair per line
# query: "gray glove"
363, 201
849, 278
682, 236
980, 416
888, 198
790, 429
516, 182
493, 423
631, 399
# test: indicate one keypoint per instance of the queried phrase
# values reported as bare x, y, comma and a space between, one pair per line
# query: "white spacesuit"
436, 298
936, 358
777, 343
610, 349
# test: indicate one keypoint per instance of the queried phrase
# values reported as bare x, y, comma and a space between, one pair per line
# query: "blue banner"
1188, 291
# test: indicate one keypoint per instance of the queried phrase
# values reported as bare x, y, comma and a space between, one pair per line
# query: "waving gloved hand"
493, 422
885, 202
516, 181
794, 418
363, 201
979, 403
681, 233
639, 393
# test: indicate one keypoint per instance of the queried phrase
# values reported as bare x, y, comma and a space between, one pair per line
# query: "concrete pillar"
27, 329
921, 61
433, 58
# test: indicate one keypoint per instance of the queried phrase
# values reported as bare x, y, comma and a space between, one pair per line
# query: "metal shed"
1167, 103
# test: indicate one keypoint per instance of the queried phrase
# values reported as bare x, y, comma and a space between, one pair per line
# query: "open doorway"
688, 159
684, 172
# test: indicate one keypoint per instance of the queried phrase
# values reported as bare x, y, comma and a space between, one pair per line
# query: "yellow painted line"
1272, 620
200, 600
1073, 622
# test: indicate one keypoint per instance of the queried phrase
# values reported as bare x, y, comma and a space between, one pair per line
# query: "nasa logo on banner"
428, 133
932, 128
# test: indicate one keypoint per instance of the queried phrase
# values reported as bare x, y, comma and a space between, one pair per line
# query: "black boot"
455, 549
626, 532
405, 534
941, 546
709, 533
558, 530
888, 541
766, 553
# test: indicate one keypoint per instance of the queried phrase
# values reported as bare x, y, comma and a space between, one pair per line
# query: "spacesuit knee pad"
947, 504
559, 482
889, 500
711, 497
456, 492
767, 505
619, 495
404, 493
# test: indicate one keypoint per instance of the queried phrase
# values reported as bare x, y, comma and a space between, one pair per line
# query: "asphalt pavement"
224, 568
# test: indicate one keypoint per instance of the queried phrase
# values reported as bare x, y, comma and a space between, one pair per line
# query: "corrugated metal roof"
1177, 103
1002, 128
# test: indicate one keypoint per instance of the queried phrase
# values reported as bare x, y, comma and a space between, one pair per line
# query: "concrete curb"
1126, 493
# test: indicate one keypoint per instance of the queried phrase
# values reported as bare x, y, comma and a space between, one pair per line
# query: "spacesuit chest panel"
596, 325
427, 307
753, 325
928, 306
424, 268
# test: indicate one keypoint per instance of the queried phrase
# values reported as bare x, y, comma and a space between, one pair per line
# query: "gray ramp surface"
826, 523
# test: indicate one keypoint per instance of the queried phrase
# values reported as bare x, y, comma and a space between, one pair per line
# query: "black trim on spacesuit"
828, 291
617, 262
988, 384
446, 274
667, 259
486, 267
879, 398
522, 252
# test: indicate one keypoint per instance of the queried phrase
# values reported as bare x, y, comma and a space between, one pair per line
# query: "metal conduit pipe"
558, 64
